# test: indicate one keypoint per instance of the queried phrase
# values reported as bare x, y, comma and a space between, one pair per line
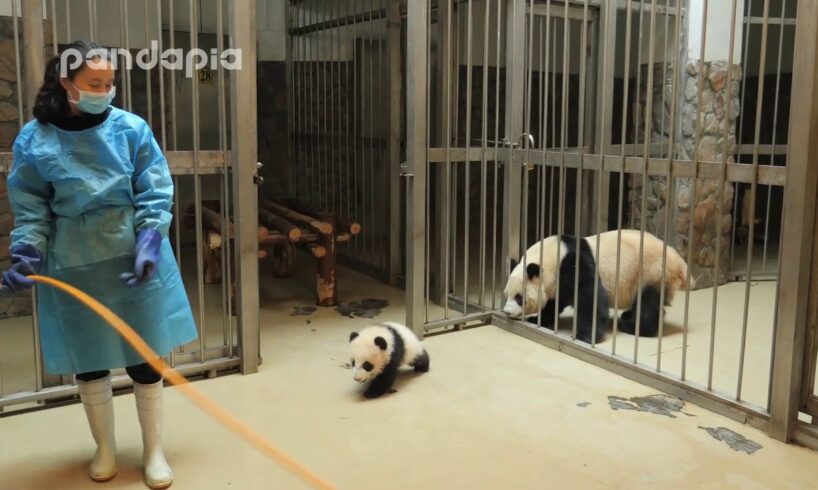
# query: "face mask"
93, 102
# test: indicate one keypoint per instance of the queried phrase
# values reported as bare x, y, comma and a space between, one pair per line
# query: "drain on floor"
584, 404
658, 404
736, 441
303, 310
365, 308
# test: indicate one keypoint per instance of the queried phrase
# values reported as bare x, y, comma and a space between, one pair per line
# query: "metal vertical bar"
311, 137
798, 228
636, 112
775, 131
604, 107
383, 153
554, 169
33, 53
566, 41
528, 36
416, 145
175, 143
226, 256
496, 158
148, 84
289, 20
164, 133
622, 174
321, 189
244, 155
546, 50
393, 159
356, 125
372, 138
54, 37
753, 183
426, 220
129, 84
646, 159
515, 47
670, 179
693, 185
455, 168
483, 159
720, 198
17, 71
335, 139
197, 184
604, 103
467, 163
578, 203
740, 121
441, 260
68, 25
540, 178
91, 22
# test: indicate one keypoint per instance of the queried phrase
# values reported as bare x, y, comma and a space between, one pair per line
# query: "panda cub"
538, 285
378, 351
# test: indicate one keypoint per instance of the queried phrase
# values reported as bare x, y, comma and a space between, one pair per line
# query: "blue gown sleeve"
152, 186
30, 200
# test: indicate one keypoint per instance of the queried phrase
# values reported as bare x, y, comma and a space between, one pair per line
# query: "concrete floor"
495, 411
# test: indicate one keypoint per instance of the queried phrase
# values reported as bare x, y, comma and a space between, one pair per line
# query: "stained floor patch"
736, 441
365, 308
658, 404
303, 310
584, 404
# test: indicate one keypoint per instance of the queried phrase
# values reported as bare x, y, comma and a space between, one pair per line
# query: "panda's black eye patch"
519, 299
368, 366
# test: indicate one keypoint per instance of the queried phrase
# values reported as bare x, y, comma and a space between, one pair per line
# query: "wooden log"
315, 223
343, 224
318, 251
326, 278
213, 220
263, 232
292, 231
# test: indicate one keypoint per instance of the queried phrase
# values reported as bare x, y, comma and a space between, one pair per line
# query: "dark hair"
52, 100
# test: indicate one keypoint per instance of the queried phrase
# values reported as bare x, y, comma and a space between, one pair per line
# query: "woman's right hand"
26, 261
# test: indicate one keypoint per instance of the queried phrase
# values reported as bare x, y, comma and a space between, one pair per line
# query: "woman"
91, 194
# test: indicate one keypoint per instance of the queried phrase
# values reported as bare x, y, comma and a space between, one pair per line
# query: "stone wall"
9, 127
710, 147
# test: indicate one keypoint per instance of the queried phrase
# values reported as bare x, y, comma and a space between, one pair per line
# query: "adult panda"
531, 282
629, 291
621, 297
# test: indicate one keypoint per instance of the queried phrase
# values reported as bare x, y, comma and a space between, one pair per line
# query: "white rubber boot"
149, 407
97, 398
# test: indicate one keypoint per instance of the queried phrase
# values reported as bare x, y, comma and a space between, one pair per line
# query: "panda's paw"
379, 393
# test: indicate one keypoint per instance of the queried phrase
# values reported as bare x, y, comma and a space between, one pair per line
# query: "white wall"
271, 23
717, 35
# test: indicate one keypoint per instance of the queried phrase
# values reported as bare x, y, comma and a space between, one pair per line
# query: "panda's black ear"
511, 265
352, 336
533, 270
380, 342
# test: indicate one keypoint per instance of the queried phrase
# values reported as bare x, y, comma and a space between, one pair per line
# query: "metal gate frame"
801, 180
240, 163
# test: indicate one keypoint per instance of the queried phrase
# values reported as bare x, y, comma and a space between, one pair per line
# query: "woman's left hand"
148, 243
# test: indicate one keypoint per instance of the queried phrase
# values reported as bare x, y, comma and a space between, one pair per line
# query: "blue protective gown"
80, 197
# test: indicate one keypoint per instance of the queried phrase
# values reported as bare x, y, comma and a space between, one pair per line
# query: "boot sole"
160, 486
103, 479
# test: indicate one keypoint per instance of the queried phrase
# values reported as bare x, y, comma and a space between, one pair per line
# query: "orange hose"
221, 415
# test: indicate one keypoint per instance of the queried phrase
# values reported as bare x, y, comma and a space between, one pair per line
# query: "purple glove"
26, 260
148, 243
